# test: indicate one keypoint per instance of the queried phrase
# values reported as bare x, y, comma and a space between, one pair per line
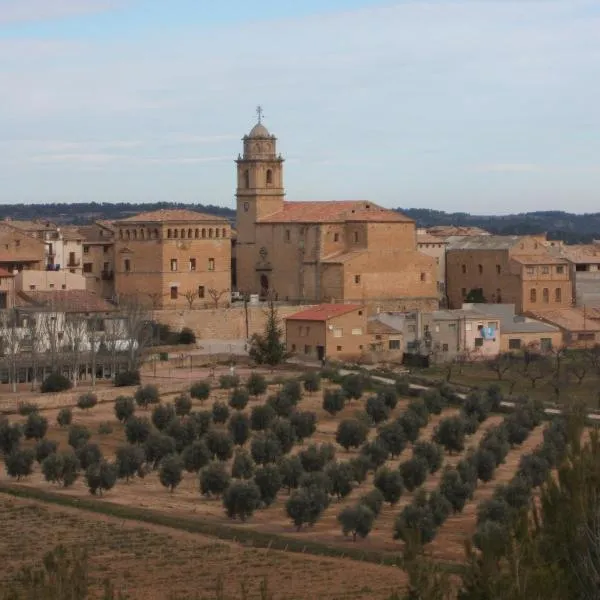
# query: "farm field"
186, 500
156, 563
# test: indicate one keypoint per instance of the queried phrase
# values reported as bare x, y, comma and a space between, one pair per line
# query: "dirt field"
186, 500
155, 563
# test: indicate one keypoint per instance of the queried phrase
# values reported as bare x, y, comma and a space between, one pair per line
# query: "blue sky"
481, 106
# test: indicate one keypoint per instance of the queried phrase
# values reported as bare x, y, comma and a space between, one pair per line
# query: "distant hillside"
85, 212
571, 228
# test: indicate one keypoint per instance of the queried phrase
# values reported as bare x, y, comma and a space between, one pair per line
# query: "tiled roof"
171, 215
65, 301
453, 230
427, 238
538, 259
324, 312
71, 233
336, 211
571, 319
482, 242
580, 253
375, 326
16, 258
41, 225
509, 321
91, 234
460, 313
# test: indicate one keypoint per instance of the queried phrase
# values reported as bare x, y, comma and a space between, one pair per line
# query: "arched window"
480, 269
269, 177
533, 295
197, 233
203, 232
135, 234
557, 295
156, 234
210, 232
142, 233
217, 232
189, 233
182, 233
246, 179
546, 295
498, 295
128, 234
169, 233
224, 232
175, 233
356, 236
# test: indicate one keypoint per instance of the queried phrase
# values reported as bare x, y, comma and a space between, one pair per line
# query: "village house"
584, 262
20, 251
99, 258
173, 258
435, 247
349, 251
580, 327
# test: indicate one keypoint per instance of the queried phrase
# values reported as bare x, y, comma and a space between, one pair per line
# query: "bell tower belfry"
259, 193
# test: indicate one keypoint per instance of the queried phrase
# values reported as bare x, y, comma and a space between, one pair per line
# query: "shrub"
450, 433
61, 468
126, 378
241, 499
256, 384
333, 401
228, 381
414, 472
100, 477
88, 454
431, 453
27, 408
55, 382
187, 336
124, 408
410, 424
147, 394
64, 417
87, 401
183, 405
239, 398
515, 431
45, 448
305, 506
291, 471
415, 524
331, 374
377, 409
391, 435
243, 465
354, 385
341, 475
162, 415
137, 430
35, 427
239, 428
389, 483
357, 520
220, 412
261, 417
434, 401
388, 396
269, 482
10, 435
195, 456
78, 436
312, 382
105, 428
373, 500
375, 452
454, 489
219, 444
19, 463
214, 479
292, 390
129, 461
171, 471
200, 390
304, 424
402, 387
265, 448
351, 433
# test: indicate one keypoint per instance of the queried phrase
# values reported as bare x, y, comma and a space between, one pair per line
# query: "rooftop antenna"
259, 112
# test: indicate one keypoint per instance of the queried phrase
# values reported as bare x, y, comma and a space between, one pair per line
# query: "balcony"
74, 262
107, 275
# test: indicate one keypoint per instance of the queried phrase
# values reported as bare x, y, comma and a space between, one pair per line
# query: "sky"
481, 106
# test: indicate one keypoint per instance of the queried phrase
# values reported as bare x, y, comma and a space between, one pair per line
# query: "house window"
452, 326
560, 270
336, 237
464, 269
196, 233
224, 234
288, 235
545, 270
182, 234
357, 279
468, 326
530, 270
211, 264
269, 177
32, 287
514, 344
422, 276
192, 264
173, 264
87, 267
480, 269
127, 265
586, 336
293, 347
189, 233
217, 232
246, 179
444, 347
337, 332
51, 286
338, 348
105, 248
174, 292
356, 236
210, 232
200, 291
175, 233
105, 267
306, 349
545, 344
498, 269
557, 295
360, 313
169, 233
86, 249
357, 331
463, 292
478, 342
203, 232
394, 345
533, 295
546, 295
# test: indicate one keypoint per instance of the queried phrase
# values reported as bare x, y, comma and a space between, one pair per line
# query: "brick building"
19, 250
516, 270
173, 258
351, 251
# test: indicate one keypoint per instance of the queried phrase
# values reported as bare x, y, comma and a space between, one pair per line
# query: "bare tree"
216, 295
34, 344
536, 370
501, 364
93, 341
114, 340
138, 330
75, 334
593, 356
190, 296
51, 327
577, 365
12, 340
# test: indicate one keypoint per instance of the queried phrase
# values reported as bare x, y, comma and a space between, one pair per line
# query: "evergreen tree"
269, 348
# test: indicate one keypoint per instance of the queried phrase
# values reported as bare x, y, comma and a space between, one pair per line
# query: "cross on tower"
259, 112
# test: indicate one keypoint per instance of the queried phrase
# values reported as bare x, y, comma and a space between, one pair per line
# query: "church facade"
349, 251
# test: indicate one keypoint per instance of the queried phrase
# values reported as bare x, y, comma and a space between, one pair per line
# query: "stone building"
516, 270
435, 247
173, 258
350, 251
19, 250
99, 258
584, 262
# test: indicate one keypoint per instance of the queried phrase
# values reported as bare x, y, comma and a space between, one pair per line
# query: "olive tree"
356, 520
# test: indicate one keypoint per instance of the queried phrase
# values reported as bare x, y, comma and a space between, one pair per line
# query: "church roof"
171, 214
259, 131
336, 211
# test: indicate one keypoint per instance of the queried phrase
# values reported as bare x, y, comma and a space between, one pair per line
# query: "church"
315, 251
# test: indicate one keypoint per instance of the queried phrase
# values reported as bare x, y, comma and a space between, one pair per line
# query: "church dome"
259, 131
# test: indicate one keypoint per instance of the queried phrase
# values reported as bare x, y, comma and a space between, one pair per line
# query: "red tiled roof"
538, 259
65, 301
5, 273
171, 214
324, 312
335, 211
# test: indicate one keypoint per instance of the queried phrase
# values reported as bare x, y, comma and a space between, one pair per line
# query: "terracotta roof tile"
171, 215
571, 319
580, 253
427, 238
65, 301
538, 259
336, 211
324, 312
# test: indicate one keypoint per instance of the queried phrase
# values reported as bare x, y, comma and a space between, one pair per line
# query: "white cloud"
20, 11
